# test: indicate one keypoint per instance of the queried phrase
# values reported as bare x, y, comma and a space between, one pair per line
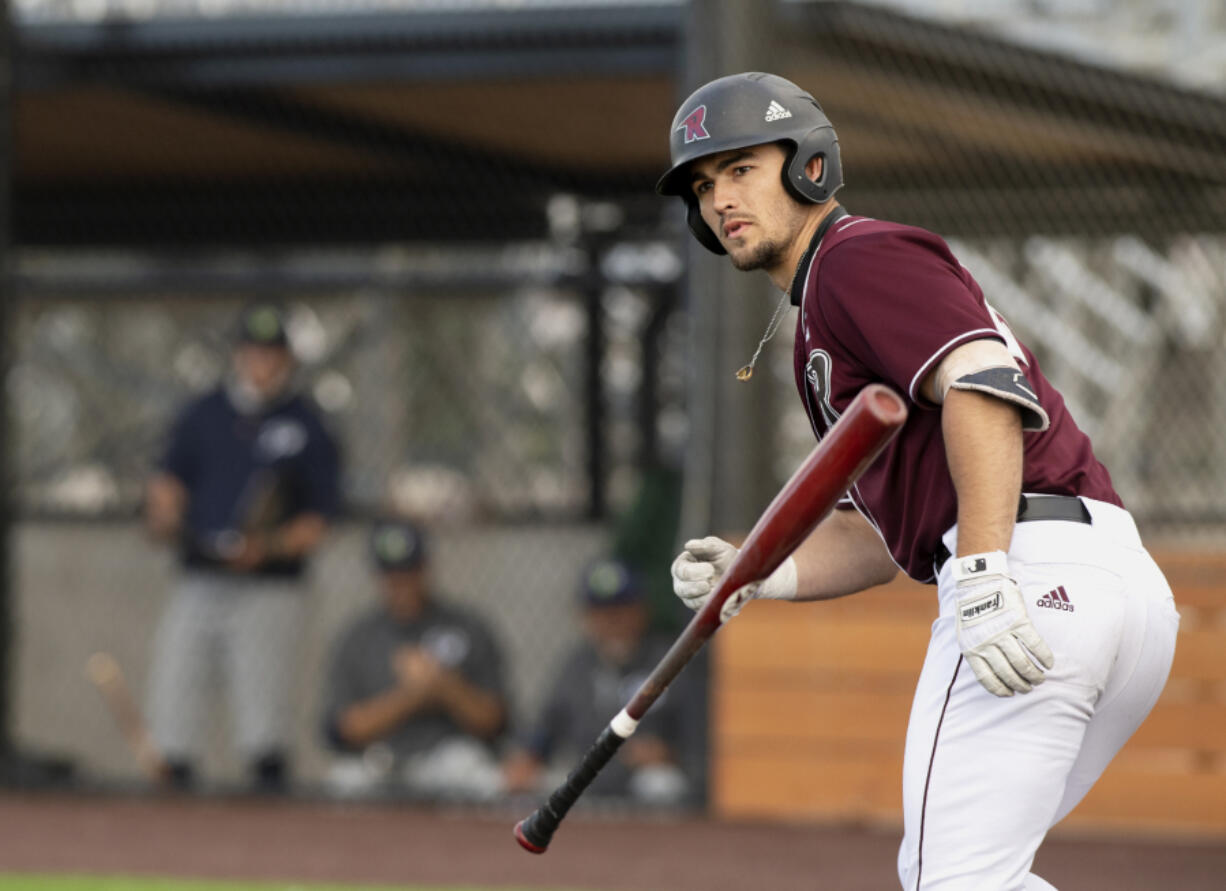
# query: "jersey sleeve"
900, 302
343, 687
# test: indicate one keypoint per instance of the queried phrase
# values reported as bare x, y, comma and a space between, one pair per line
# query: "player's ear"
813, 169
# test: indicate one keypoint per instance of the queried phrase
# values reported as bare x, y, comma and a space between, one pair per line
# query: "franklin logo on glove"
977, 609
995, 634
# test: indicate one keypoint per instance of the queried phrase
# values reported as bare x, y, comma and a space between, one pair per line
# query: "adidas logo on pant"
1056, 599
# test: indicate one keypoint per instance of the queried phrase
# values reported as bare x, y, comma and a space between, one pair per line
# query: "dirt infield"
387, 844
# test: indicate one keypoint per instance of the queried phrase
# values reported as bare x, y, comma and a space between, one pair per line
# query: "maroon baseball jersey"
882, 302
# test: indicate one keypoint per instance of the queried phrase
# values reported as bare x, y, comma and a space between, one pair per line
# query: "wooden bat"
105, 674
257, 510
852, 444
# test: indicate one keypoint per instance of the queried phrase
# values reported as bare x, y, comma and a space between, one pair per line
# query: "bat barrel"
886, 406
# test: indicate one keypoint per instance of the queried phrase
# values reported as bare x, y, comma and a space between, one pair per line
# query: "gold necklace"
745, 372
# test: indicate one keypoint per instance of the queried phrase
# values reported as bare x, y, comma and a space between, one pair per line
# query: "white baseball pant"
984, 778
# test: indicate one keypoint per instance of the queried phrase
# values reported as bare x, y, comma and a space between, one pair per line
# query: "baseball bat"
845, 452
105, 674
257, 510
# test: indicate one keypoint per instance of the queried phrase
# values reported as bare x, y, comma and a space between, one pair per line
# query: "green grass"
123, 883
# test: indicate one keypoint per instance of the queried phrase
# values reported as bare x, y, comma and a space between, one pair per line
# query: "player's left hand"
995, 633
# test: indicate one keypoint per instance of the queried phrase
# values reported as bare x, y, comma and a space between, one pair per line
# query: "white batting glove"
994, 631
698, 569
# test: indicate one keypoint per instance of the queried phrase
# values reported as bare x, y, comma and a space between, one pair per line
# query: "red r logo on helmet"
694, 129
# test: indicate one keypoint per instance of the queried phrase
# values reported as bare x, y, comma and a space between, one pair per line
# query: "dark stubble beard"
766, 255
772, 252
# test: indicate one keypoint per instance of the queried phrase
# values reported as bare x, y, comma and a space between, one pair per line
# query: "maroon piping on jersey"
919, 871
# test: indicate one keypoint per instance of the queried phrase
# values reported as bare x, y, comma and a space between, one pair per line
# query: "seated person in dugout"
415, 700
600, 675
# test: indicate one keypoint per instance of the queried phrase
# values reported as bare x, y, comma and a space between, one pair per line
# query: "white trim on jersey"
945, 348
847, 224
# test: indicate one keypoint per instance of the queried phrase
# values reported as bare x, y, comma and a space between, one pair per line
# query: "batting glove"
994, 631
698, 569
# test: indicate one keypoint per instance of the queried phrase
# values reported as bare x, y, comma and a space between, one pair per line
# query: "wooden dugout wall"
810, 708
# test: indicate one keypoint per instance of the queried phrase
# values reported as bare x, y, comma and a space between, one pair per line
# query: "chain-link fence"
466, 410
484, 293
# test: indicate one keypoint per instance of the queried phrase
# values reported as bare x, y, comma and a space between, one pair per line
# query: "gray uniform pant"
238, 629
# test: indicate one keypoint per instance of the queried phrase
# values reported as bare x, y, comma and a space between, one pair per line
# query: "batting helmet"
750, 109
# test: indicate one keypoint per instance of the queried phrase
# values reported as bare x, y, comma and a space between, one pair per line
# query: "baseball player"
601, 673
246, 489
1056, 629
415, 682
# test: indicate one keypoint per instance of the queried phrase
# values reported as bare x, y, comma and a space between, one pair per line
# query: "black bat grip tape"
538, 829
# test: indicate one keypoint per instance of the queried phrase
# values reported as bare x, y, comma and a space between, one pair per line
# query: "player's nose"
723, 196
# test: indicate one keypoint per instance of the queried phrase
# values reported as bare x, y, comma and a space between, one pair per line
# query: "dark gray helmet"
750, 109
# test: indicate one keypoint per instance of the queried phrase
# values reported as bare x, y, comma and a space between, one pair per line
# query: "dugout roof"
438, 126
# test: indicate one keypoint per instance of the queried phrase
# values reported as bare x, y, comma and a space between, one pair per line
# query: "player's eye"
742, 169
701, 187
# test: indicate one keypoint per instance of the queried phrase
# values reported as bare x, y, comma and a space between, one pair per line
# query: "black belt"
1068, 508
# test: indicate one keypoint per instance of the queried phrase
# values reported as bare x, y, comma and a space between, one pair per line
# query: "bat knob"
528, 839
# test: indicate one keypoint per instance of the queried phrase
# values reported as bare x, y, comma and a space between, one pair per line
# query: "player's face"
404, 592
615, 631
266, 369
741, 195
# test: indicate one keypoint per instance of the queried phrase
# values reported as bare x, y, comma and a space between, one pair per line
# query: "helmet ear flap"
701, 230
820, 143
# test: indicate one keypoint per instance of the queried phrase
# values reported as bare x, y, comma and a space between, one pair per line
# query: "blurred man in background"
416, 694
594, 683
246, 489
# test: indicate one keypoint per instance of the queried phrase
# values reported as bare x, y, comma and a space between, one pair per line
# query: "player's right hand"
699, 568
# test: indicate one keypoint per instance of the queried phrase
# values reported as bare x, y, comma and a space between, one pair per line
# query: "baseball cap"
263, 324
609, 583
397, 544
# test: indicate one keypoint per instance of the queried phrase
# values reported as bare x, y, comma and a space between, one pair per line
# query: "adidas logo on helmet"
776, 112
